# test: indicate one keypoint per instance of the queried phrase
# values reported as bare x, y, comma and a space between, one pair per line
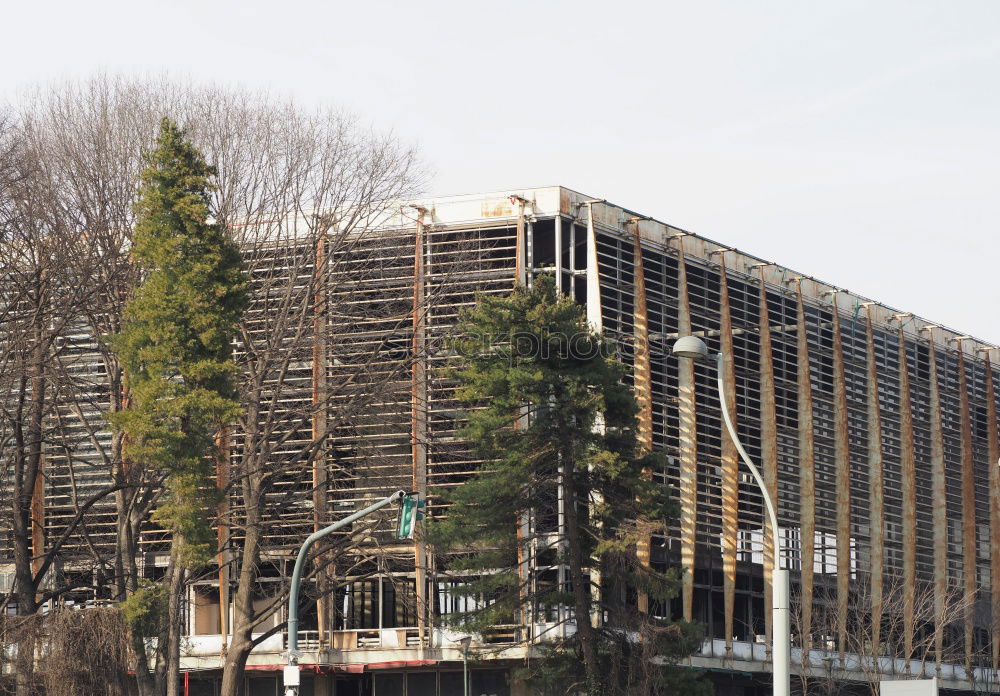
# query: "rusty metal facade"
908, 471
419, 434
642, 382
688, 443
968, 504
842, 456
730, 461
939, 493
993, 461
768, 439
876, 481
807, 471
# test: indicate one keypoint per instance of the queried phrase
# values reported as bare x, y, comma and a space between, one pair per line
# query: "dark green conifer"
552, 405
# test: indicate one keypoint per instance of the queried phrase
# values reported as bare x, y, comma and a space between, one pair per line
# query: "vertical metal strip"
940, 506
594, 318
222, 531
419, 414
768, 443
520, 269
730, 461
642, 375
319, 424
688, 441
876, 482
968, 504
807, 473
993, 446
596, 322
842, 459
642, 382
908, 472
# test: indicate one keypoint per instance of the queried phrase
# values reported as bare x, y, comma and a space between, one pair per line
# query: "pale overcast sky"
856, 141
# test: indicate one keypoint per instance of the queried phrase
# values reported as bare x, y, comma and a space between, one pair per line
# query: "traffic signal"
411, 511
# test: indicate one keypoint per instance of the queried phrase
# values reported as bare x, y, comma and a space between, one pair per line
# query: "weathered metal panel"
730, 462
938, 496
688, 464
908, 472
807, 471
320, 395
842, 459
642, 381
520, 268
993, 437
418, 436
222, 530
968, 504
768, 443
876, 483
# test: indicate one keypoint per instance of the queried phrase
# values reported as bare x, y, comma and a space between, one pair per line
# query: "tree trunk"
28, 458
174, 628
243, 613
581, 584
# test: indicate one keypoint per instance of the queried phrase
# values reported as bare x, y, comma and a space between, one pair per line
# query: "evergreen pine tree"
552, 406
176, 350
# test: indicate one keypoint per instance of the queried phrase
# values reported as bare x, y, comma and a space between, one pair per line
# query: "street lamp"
465, 642
693, 348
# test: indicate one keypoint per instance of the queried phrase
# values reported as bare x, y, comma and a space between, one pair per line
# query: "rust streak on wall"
687, 436
222, 529
730, 463
940, 512
320, 397
768, 442
642, 383
807, 472
968, 505
418, 437
842, 458
908, 466
876, 498
520, 271
993, 445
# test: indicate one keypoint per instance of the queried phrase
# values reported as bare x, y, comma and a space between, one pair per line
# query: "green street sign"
410, 512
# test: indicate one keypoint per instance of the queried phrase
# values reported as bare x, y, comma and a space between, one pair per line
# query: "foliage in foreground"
550, 405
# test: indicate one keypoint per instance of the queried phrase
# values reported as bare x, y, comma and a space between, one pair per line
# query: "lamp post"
465, 642
693, 348
291, 672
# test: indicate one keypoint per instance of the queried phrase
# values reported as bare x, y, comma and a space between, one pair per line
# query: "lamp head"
690, 347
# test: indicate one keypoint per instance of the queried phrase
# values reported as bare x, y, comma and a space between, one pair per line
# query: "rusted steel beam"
940, 506
842, 459
595, 321
807, 473
768, 443
908, 471
876, 482
641, 370
320, 397
222, 530
993, 446
730, 462
642, 383
968, 505
418, 435
520, 268
688, 441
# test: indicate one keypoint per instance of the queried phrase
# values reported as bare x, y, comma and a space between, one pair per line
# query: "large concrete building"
875, 429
